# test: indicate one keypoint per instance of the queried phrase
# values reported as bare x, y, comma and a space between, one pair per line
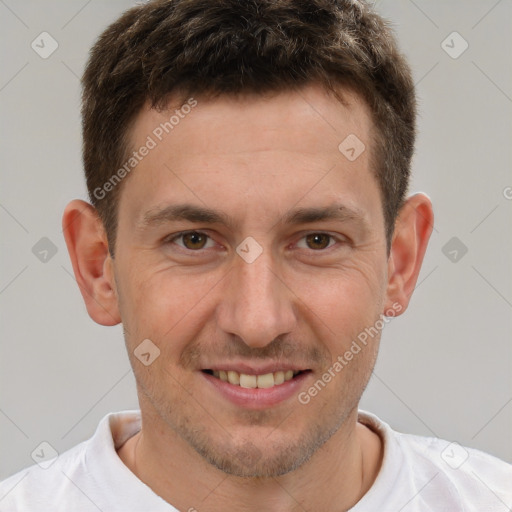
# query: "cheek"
154, 305
343, 308
168, 310
171, 305
345, 297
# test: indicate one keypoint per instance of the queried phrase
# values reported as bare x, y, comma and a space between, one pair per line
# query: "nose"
256, 304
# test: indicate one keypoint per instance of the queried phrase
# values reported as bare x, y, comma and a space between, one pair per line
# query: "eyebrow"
200, 214
187, 212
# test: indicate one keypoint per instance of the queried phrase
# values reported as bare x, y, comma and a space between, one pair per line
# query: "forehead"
287, 115
273, 150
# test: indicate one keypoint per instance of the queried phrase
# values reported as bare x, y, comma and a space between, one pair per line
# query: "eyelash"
182, 234
173, 238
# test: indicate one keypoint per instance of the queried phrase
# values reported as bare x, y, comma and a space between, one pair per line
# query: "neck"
335, 478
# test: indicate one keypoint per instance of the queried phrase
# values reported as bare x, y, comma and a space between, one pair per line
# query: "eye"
317, 241
192, 240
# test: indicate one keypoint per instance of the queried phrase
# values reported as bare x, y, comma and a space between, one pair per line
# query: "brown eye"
194, 240
318, 241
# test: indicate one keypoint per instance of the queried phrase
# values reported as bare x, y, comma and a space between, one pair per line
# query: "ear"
410, 239
92, 264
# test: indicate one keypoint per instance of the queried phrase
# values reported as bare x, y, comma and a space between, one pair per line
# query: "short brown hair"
205, 47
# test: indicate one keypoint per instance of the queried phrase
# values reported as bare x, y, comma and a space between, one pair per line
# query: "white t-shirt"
418, 474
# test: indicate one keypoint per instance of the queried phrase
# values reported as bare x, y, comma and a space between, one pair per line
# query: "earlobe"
410, 239
92, 264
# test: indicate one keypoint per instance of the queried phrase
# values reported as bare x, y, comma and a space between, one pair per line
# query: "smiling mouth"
267, 380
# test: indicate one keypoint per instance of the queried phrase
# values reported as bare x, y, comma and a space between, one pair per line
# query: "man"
248, 164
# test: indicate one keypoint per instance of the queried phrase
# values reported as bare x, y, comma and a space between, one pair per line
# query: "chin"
260, 458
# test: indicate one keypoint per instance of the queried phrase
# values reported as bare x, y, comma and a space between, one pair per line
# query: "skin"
255, 159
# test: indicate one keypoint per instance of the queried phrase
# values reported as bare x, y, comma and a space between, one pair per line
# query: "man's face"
210, 301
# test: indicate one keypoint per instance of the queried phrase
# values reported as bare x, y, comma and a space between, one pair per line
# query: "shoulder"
456, 461
76, 478
30, 486
478, 480
442, 473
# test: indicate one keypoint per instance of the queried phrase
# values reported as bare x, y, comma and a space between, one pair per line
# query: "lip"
255, 369
256, 398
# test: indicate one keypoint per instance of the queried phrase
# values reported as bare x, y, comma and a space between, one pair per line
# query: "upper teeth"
254, 381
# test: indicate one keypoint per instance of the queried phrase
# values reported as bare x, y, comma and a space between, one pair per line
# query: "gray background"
444, 367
